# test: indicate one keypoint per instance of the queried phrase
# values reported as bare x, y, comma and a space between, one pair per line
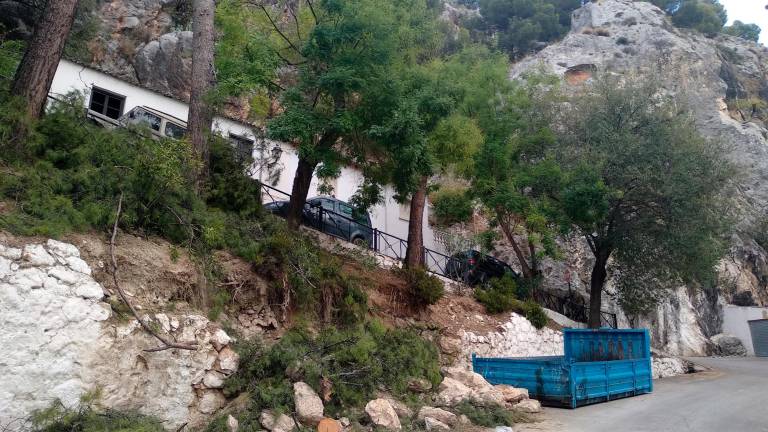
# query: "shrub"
622, 41
451, 206
499, 296
535, 314
423, 288
490, 416
355, 362
85, 418
602, 32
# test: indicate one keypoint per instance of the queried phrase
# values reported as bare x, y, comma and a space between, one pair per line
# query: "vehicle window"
327, 204
345, 210
172, 130
139, 116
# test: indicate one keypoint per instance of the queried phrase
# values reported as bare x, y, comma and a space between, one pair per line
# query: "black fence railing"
572, 308
356, 229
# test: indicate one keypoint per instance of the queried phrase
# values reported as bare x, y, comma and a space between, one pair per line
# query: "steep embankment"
715, 76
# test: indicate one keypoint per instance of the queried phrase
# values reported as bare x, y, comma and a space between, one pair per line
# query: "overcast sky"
749, 11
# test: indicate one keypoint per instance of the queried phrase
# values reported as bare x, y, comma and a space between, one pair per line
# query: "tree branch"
192, 346
277, 29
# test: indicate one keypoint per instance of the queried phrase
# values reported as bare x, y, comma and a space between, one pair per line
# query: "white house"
112, 97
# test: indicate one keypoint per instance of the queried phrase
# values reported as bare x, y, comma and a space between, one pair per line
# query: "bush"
85, 418
355, 362
499, 296
451, 206
423, 288
504, 294
490, 416
622, 41
535, 314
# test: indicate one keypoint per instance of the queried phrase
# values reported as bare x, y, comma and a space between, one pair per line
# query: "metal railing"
352, 230
572, 308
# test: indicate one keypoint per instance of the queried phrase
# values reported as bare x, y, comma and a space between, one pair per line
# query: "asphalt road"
732, 397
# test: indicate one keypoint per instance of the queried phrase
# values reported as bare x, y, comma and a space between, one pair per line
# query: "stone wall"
515, 338
61, 339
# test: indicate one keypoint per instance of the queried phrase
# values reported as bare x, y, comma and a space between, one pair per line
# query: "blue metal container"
598, 366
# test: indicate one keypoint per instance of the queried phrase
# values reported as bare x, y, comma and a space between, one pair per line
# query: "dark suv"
332, 216
476, 268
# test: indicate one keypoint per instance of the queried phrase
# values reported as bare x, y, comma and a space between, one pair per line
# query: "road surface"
732, 397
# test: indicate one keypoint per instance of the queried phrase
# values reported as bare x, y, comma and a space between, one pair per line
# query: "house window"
243, 146
106, 103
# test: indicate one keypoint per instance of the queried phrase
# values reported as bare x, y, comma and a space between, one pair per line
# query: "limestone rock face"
728, 345
309, 406
59, 343
383, 414
165, 64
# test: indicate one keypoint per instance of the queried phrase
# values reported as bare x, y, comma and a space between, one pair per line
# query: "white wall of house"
387, 217
735, 322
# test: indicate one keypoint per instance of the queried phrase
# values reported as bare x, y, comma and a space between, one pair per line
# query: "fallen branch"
192, 346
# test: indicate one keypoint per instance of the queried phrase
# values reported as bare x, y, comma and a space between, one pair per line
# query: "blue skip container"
598, 365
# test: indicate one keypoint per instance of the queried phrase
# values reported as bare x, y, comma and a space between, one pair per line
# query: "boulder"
512, 395
452, 392
530, 406
503, 429
728, 345
228, 360
211, 401
309, 406
441, 415
281, 423
473, 380
433, 424
400, 408
383, 414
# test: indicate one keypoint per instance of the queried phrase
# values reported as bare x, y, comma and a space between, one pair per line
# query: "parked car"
160, 124
331, 216
476, 268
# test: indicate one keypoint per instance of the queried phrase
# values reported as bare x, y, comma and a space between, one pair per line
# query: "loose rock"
383, 414
441, 415
309, 406
433, 424
530, 406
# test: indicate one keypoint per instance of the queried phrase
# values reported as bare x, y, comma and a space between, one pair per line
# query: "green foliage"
85, 418
642, 185
85, 29
423, 288
451, 206
357, 362
490, 416
515, 173
706, 16
518, 27
245, 63
505, 294
11, 52
535, 314
750, 32
500, 295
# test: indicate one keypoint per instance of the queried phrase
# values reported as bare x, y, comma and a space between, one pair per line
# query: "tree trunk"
414, 253
599, 274
299, 191
202, 81
524, 267
38, 66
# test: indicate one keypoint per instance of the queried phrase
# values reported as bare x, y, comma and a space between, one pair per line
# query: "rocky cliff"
724, 81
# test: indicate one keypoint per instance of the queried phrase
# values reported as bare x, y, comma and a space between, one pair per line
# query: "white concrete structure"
735, 322
389, 217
